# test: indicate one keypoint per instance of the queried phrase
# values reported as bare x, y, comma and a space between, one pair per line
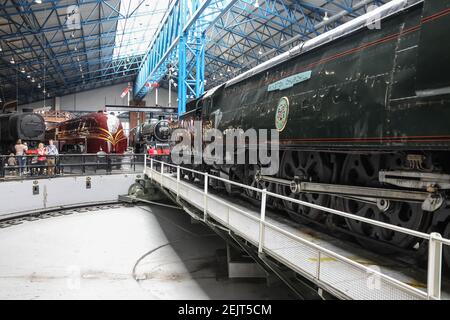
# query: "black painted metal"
28, 126
361, 93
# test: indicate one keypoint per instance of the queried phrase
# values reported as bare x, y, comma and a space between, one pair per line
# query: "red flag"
124, 92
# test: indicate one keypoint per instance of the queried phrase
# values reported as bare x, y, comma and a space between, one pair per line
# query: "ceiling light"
38, 1
22, 70
32, 80
325, 17
43, 91
28, 76
260, 52
12, 60
257, 4
39, 85
48, 94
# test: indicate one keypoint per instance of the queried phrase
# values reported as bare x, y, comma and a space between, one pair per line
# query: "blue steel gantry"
218, 39
181, 41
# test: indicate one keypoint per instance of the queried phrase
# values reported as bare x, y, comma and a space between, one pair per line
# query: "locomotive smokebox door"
434, 50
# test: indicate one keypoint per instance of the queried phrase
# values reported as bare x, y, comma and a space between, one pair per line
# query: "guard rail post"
434, 266
151, 168
162, 173
262, 218
178, 182
205, 199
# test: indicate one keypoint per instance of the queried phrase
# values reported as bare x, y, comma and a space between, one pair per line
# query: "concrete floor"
122, 253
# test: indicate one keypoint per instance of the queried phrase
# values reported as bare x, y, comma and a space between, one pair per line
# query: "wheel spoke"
363, 170
305, 165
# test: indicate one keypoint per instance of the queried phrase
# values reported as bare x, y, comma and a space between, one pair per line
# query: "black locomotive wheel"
310, 166
363, 170
188, 175
445, 248
255, 196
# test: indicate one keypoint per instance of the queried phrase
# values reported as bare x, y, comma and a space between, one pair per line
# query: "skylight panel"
136, 31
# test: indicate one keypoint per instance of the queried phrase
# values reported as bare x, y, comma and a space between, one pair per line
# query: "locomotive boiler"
27, 126
363, 115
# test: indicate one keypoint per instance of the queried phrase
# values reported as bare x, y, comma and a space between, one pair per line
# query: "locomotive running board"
378, 196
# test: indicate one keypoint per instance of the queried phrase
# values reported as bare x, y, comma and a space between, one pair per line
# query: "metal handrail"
377, 223
435, 240
84, 162
315, 246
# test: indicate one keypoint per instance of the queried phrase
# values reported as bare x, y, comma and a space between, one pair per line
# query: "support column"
191, 61
136, 118
242, 266
182, 89
57, 104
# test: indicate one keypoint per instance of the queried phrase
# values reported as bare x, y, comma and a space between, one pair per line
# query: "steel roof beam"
54, 28
321, 25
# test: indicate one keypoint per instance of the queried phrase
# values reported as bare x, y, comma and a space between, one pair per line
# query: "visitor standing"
52, 153
21, 150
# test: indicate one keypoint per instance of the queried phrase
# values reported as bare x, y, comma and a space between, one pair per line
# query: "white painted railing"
202, 199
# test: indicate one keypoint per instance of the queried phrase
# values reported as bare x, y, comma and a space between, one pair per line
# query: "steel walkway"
334, 268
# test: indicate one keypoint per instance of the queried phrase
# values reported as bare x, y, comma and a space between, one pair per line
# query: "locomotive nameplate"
282, 113
289, 81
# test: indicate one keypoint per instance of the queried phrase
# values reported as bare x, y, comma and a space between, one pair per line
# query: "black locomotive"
27, 126
152, 134
362, 111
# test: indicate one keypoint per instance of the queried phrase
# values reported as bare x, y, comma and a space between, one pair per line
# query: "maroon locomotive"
91, 133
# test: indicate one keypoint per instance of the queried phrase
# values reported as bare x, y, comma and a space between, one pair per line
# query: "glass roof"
134, 34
